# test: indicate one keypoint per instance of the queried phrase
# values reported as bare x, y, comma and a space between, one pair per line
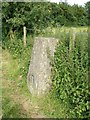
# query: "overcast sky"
79, 2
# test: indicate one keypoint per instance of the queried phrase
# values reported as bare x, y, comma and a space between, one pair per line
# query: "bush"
70, 75
39, 15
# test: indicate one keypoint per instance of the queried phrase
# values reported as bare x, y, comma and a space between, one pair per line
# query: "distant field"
56, 32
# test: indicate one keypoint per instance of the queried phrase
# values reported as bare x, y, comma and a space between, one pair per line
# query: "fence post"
24, 30
72, 39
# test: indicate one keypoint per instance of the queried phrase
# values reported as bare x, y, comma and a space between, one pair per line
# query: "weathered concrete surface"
38, 79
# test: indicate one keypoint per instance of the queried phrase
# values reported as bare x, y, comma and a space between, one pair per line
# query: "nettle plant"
70, 74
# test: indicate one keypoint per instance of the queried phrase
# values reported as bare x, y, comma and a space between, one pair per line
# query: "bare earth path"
11, 89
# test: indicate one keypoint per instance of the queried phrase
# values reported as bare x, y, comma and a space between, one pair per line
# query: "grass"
52, 107
57, 32
10, 80
15, 88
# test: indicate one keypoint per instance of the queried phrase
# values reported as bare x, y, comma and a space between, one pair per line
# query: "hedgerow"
38, 15
70, 75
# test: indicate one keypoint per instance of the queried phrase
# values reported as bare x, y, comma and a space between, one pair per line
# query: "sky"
79, 2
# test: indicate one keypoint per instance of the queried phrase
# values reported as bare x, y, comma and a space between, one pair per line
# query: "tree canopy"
38, 15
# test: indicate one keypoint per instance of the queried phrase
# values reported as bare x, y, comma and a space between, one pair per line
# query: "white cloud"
79, 2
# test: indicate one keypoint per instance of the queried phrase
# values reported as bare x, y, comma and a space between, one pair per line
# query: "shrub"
70, 75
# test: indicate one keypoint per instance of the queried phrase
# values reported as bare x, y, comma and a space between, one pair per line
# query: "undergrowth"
16, 70
69, 96
70, 75
17, 60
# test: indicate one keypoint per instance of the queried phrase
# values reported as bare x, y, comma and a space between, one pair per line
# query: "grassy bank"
17, 101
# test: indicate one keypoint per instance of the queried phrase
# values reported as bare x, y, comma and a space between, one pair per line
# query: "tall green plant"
70, 75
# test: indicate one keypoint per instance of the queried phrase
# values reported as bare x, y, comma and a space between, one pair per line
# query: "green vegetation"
70, 70
52, 107
15, 92
69, 96
70, 74
38, 15
13, 86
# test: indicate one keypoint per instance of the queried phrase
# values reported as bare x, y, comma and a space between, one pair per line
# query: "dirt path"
27, 105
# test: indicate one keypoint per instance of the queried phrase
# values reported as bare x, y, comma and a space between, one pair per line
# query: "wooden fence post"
72, 39
24, 30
